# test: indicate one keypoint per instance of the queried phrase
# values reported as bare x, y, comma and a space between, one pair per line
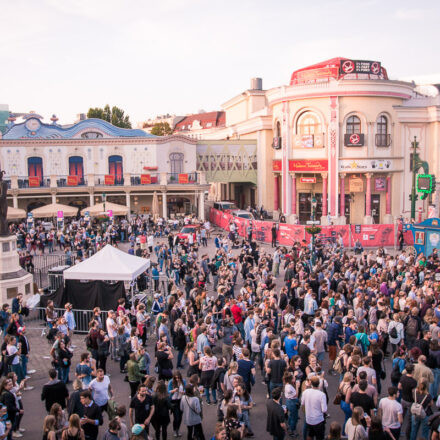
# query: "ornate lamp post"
313, 230
416, 165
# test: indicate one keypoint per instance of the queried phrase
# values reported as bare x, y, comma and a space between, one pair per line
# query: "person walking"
391, 413
192, 414
162, 408
314, 402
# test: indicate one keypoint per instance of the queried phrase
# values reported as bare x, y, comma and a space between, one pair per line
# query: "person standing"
192, 414
314, 402
162, 407
276, 416
141, 408
275, 370
407, 385
70, 320
92, 418
101, 389
54, 391
391, 412
112, 331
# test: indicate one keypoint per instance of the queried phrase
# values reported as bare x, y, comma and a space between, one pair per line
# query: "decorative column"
342, 219
14, 199
276, 194
293, 194
324, 198
54, 198
92, 199
368, 220
202, 206
388, 219
164, 205
128, 202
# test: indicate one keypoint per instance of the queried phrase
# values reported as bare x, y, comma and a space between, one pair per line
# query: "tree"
115, 116
161, 129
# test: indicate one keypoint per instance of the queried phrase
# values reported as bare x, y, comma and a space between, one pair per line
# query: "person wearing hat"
137, 430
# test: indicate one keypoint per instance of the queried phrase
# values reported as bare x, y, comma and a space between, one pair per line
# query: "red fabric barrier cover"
369, 236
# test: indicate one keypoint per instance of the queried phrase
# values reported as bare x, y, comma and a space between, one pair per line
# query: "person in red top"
237, 313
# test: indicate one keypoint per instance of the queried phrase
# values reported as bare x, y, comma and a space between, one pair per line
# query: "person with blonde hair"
73, 430
354, 428
49, 428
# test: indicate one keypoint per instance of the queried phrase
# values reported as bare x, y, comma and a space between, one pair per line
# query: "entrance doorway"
347, 207
375, 207
305, 207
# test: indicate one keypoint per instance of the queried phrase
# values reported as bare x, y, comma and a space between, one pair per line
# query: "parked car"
242, 214
224, 206
187, 230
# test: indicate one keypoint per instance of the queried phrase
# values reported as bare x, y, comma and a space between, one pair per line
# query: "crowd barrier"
368, 235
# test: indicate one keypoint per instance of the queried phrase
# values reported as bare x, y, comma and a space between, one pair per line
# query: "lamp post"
104, 198
416, 165
314, 203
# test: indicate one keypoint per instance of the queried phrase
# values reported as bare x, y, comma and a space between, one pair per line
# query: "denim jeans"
24, 362
416, 423
433, 388
63, 374
214, 394
292, 407
18, 371
179, 358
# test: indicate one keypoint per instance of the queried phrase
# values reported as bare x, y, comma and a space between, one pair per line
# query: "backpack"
411, 327
338, 364
396, 374
417, 409
393, 333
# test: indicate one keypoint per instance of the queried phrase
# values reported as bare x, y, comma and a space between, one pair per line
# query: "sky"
179, 56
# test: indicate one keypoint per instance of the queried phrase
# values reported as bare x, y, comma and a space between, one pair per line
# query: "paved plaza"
39, 360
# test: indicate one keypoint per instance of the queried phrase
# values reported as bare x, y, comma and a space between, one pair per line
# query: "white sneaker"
32, 371
27, 377
28, 388
22, 430
17, 435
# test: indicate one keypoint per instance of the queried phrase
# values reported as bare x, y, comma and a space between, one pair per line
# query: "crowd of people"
238, 315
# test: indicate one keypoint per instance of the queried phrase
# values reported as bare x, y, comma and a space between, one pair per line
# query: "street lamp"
104, 198
417, 163
314, 204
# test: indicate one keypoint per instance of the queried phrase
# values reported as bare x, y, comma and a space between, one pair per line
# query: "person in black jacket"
92, 418
8, 400
55, 391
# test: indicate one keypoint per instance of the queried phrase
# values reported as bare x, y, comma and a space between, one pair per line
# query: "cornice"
96, 142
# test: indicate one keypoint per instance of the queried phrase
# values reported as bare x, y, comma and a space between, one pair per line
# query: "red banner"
145, 179
183, 178
313, 166
109, 179
369, 235
34, 181
277, 165
72, 180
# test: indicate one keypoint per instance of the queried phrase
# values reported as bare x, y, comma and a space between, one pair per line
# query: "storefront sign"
359, 66
312, 166
145, 179
72, 180
277, 165
34, 181
109, 179
307, 179
183, 178
357, 165
380, 184
354, 140
355, 184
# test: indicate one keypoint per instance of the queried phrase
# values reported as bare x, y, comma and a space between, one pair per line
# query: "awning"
52, 210
99, 209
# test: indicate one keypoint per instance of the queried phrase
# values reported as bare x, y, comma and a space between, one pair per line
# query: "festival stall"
15, 213
98, 209
53, 209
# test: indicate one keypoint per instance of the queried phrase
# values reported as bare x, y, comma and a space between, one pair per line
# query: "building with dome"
78, 164
340, 131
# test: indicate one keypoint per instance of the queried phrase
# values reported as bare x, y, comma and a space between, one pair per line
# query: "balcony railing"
383, 140
145, 179
33, 182
69, 181
108, 180
183, 178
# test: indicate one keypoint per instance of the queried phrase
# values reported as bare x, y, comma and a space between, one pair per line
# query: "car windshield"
187, 230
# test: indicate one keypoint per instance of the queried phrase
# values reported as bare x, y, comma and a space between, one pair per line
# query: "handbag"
338, 398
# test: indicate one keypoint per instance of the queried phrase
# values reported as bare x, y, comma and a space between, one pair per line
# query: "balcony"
108, 180
33, 182
145, 179
69, 181
183, 178
383, 140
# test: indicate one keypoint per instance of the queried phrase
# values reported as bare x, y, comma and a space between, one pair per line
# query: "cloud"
411, 14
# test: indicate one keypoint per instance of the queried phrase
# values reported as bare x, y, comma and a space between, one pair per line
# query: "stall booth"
426, 236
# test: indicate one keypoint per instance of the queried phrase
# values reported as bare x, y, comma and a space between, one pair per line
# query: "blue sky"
153, 57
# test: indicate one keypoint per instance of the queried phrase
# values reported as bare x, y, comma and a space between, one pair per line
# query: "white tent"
109, 264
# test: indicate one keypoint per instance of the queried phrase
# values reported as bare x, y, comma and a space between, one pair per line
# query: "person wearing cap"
138, 432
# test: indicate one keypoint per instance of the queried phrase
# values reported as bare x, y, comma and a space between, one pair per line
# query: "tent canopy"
109, 264
15, 213
52, 210
99, 209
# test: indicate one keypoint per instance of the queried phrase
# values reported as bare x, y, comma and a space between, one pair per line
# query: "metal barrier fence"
37, 318
42, 266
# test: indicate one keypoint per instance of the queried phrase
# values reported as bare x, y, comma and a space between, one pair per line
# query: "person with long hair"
7, 398
49, 428
344, 390
193, 359
60, 418
354, 427
179, 341
190, 406
246, 404
231, 421
73, 430
162, 407
292, 402
134, 375
422, 397
376, 431
334, 432
176, 390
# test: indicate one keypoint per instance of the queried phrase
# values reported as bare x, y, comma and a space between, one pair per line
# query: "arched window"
115, 168
353, 125
383, 139
308, 123
35, 167
176, 163
76, 167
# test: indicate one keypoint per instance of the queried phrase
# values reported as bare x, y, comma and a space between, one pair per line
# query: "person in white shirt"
101, 389
112, 331
391, 413
315, 404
